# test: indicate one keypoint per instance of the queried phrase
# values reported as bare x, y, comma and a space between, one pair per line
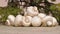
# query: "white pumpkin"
49, 21
32, 11
11, 18
27, 20
36, 21
7, 22
35, 8
55, 23
46, 21
18, 20
42, 15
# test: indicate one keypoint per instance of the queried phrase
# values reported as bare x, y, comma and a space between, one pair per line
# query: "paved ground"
29, 30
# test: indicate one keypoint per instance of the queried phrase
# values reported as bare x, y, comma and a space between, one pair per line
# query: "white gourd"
11, 18
32, 11
55, 23
46, 21
27, 20
36, 21
42, 15
7, 22
50, 21
18, 20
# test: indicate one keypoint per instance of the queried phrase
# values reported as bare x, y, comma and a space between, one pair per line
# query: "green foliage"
56, 11
53, 7
4, 12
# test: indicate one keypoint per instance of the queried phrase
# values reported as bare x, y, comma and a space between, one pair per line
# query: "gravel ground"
29, 30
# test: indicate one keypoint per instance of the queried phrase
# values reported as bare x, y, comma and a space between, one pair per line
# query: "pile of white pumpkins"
31, 18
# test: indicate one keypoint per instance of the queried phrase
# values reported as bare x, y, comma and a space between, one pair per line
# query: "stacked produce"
31, 18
